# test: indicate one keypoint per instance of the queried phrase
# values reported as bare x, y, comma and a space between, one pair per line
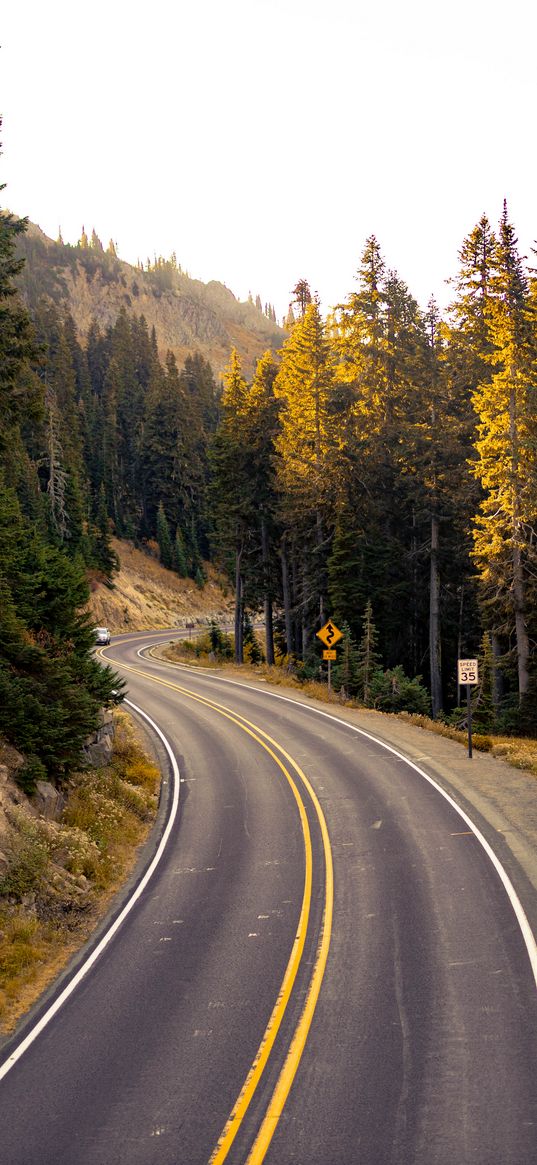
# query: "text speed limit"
468, 671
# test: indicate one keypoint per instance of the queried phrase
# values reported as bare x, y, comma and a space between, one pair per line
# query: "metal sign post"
330, 654
329, 635
468, 673
469, 718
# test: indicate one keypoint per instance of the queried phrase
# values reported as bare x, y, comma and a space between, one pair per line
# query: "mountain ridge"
188, 315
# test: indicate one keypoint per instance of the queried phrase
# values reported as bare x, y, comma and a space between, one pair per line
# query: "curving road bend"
232, 1017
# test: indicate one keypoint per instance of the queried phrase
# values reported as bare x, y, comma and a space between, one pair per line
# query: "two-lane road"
325, 967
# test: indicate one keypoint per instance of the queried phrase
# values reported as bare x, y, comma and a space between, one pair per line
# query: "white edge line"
108, 936
522, 919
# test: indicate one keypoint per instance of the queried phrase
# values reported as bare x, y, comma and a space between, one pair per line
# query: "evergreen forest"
380, 469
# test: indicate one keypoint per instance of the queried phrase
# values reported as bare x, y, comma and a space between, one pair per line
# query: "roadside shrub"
29, 858
252, 649
60, 874
19, 950
27, 776
482, 742
219, 641
141, 803
142, 773
393, 691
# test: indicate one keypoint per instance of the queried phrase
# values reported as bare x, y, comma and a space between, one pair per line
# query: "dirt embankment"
146, 596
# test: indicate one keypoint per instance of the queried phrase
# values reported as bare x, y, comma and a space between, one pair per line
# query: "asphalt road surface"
325, 967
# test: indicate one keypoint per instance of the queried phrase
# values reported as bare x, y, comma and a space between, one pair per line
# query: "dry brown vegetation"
146, 596
521, 752
58, 876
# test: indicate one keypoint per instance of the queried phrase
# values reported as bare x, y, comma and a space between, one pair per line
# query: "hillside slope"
187, 315
146, 596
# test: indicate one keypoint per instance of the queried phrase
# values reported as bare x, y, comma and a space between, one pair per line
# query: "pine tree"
180, 561
305, 386
347, 675
483, 710
290, 320
378, 339
369, 659
164, 538
470, 341
302, 294
20, 393
506, 464
308, 435
347, 587
61, 453
104, 556
232, 500
51, 685
468, 364
431, 483
260, 432
124, 406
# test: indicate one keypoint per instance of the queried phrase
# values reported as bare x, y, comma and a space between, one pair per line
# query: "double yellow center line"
298, 1040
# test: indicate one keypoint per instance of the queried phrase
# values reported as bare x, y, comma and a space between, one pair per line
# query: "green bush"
28, 861
216, 641
393, 691
32, 771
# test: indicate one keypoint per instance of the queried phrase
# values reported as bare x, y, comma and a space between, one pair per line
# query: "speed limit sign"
468, 673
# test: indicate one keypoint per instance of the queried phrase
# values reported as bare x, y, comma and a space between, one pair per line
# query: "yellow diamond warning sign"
329, 634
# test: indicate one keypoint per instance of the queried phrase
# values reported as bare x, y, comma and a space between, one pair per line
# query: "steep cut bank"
147, 596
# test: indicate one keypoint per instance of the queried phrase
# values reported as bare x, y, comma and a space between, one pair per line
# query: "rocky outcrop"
98, 748
48, 801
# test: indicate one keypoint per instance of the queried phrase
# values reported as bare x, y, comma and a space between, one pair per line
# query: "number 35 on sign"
468, 671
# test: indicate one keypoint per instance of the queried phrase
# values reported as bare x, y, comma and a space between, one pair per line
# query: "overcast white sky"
264, 140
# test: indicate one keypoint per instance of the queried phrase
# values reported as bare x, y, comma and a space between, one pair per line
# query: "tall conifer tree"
506, 466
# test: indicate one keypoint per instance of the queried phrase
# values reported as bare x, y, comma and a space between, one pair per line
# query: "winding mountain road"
324, 968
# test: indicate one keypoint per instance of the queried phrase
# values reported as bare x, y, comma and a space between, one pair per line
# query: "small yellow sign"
329, 653
330, 634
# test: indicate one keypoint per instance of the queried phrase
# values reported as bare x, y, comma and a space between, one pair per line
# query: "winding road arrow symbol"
329, 634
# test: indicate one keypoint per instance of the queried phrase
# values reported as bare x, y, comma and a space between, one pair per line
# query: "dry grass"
61, 876
145, 595
521, 752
